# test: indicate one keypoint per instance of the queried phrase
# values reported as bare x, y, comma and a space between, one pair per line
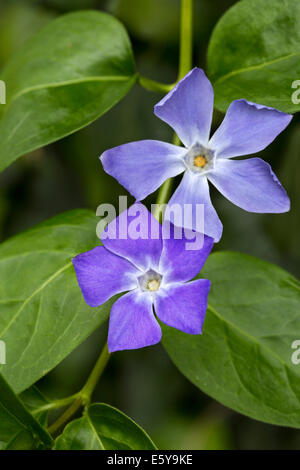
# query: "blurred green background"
66, 175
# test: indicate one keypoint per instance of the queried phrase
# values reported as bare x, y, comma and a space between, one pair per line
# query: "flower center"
150, 281
153, 285
200, 161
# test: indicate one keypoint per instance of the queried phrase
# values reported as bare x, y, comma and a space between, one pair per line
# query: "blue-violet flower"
154, 273
141, 167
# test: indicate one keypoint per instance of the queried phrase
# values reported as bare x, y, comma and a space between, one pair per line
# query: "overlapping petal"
142, 167
188, 108
184, 253
183, 306
132, 323
247, 128
251, 185
101, 275
135, 235
193, 190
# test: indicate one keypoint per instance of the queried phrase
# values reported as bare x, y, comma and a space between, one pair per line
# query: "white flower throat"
199, 159
150, 281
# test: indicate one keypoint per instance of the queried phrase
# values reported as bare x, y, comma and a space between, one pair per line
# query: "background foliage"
67, 174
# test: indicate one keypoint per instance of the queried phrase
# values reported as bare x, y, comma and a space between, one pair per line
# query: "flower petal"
141, 167
247, 128
101, 275
193, 190
188, 108
132, 322
251, 185
182, 259
136, 236
183, 306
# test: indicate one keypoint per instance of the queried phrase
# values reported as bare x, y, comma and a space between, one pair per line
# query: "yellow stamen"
153, 285
200, 161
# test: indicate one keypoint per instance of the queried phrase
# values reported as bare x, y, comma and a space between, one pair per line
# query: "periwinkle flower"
154, 273
141, 167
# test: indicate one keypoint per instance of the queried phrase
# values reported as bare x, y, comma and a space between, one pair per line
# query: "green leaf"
23, 440
254, 54
62, 79
244, 356
104, 428
34, 400
43, 315
16, 420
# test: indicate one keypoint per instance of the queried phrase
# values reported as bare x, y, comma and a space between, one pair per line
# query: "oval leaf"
16, 421
104, 428
35, 403
62, 79
254, 54
20, 439
43, 315
244, 356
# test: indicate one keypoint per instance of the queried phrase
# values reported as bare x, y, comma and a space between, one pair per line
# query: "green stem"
88, 389
82, 398
64, 418
164, 191
162, 198
186, 38
152, 85
54, 405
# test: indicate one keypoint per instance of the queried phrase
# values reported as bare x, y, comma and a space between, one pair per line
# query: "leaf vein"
39, 289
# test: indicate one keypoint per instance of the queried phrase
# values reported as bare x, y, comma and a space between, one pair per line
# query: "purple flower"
141, 167
155, 272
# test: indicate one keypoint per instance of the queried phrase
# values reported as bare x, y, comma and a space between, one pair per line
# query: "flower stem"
164, 191
54, 405
186, 38
152, 85
82, 398
64, 418
89, 387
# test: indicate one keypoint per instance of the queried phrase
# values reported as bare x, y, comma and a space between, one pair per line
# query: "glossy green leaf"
34, 400
43, 315
63, 78
17, 421
244, 356
254, 54
104, 428
23, 439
